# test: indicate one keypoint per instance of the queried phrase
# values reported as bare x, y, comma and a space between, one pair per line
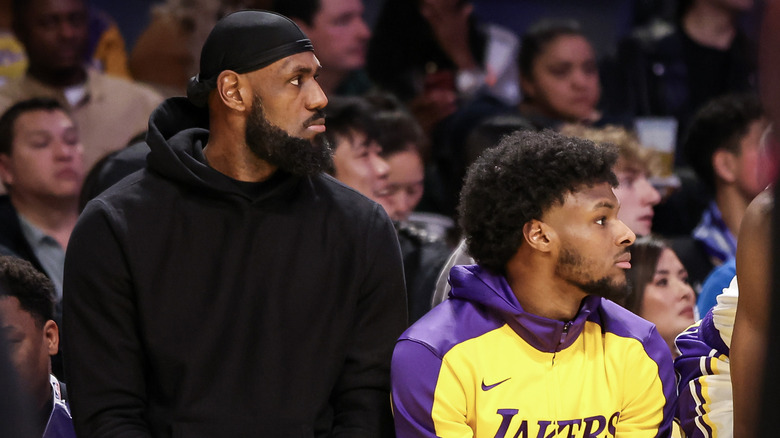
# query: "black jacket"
12, 240
195, 310
649, 75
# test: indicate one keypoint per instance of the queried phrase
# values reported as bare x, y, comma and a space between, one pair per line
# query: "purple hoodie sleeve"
704, 386
414, 373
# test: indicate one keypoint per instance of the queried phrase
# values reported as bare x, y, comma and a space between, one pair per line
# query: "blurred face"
594, 243
339, 34
748, 173
54, 33
637, 198
46, 158
565, 81
668, 299
292, 99
30, 346
404, 182
357, 164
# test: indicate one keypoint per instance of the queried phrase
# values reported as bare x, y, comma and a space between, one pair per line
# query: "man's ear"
724, 165
229, 90
51, 337
539, 235
6, 170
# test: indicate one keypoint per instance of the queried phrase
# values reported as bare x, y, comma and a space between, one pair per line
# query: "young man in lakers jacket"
529, 345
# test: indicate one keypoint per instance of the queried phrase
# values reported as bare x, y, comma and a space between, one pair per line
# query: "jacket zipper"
563, 338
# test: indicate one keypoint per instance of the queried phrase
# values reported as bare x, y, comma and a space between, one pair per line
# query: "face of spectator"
339, 34
405, 182
291, 97
357, 163
30, 344
46, 160
747, 167
593, 242
637, 198
54, 33
564, 83
668, 299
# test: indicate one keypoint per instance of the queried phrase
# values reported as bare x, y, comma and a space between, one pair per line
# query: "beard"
572, 268
295, 155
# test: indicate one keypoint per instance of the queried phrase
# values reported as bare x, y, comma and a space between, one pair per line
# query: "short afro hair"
34, 290
517, 181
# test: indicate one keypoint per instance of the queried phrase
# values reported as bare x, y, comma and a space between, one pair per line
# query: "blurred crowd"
417, 90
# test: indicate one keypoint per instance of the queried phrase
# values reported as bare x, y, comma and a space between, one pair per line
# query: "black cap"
245, 41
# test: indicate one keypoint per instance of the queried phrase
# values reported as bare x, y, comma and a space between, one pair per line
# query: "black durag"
245, 41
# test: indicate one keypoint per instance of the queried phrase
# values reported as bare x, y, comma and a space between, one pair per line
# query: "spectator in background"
559, 75
356, 126
340, 34
184, 26
105, 52
109, 111
659, 289
404, 147
444, 57
27, 324
722, 147
13, 61
352, 132
559, 78
42, 169
422, 236
673, 69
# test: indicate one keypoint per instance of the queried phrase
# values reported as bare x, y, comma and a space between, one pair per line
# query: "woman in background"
660, 292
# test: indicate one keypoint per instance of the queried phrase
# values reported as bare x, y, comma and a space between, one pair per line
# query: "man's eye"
296, 81
601, 221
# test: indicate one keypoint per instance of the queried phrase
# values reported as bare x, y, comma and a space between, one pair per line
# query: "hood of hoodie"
477, 285
178, 131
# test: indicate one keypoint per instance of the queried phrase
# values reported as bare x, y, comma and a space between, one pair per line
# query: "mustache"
318, 115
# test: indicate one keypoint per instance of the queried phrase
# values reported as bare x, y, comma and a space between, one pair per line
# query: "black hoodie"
195, 306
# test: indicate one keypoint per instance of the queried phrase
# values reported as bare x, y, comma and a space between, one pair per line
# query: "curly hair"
517, 181
35, 292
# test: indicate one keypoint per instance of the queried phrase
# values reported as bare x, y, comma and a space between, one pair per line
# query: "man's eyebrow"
604, 204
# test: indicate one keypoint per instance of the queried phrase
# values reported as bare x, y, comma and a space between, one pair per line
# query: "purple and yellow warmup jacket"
479, 365
705, 405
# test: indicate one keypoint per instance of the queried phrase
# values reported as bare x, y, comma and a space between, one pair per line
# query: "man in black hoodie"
230, 288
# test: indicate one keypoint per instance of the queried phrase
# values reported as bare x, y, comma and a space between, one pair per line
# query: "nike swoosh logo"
489, 387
